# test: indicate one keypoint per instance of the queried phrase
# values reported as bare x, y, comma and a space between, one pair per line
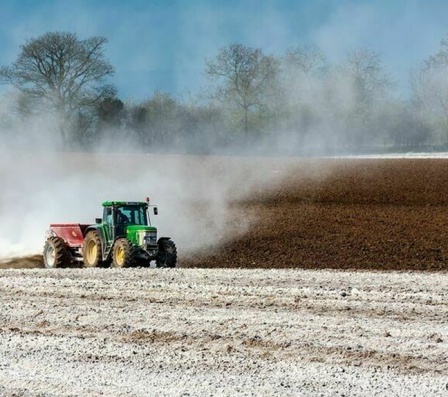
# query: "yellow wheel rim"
92, 251
120, 256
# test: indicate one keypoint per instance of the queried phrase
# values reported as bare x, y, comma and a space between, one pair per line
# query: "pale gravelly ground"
212, 332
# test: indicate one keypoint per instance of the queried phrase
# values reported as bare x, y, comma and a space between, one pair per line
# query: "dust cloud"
193, 194
41, 183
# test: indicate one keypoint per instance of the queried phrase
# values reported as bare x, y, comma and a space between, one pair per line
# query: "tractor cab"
117, 216
130, 221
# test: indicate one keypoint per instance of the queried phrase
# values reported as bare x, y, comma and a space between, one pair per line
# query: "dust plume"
193, 193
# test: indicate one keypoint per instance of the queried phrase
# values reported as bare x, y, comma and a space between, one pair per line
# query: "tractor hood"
140, 228
141, 235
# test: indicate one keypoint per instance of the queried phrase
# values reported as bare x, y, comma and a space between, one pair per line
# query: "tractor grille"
150, 239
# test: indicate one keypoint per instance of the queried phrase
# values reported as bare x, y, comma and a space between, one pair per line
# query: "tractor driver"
121, 218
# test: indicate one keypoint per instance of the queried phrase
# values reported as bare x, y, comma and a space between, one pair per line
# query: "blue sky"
162, 45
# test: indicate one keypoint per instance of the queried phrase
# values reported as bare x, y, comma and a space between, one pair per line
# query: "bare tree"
299, 100
158, 121
62, 74
441, 58
306, 59
243, 77
368, 75
429, 83
369, 87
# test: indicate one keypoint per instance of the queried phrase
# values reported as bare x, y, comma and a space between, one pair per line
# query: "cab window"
134, 215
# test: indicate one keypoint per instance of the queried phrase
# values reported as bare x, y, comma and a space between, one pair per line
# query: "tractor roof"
136, 203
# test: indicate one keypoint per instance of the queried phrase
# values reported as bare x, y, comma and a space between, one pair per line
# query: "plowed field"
361, 214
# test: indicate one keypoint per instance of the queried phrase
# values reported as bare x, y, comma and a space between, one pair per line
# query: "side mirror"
156, 211
98, 220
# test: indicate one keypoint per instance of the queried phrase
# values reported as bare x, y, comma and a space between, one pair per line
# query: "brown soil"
364, 214
28, 262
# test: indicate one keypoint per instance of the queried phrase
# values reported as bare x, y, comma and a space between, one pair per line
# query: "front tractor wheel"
167, 256
91, 252
55, 253
123, 254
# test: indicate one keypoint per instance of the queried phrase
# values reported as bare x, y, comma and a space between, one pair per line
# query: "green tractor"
124, 237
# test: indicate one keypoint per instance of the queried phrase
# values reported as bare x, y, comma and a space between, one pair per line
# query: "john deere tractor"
123, 237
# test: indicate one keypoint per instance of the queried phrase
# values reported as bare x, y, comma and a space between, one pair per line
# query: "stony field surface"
222, 332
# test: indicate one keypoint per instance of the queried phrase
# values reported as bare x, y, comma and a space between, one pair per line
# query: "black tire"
55, 253
91, 250
123, 253
167, 256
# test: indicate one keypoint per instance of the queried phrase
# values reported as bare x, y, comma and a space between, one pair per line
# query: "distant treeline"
296, 104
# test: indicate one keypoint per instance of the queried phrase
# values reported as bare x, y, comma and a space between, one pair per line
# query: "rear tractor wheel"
55, 253
123, 254
91, 252
167, 256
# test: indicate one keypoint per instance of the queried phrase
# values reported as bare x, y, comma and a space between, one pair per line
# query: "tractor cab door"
121, 218
109, 224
